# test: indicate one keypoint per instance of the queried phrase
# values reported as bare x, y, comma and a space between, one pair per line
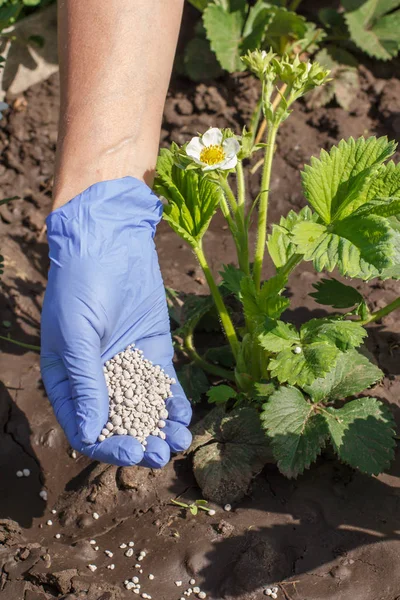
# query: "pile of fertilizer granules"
137, 390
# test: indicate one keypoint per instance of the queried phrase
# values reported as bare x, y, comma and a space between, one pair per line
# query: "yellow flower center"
212, 155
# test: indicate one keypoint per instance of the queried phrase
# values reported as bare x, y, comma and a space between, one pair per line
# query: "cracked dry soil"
332, 534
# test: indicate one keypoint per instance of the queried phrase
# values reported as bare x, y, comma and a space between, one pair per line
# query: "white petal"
194, 147
211, 167
228, 163
212, 137
231, 146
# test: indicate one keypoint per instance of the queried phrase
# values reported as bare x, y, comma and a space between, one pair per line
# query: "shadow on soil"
329, 512
19, 496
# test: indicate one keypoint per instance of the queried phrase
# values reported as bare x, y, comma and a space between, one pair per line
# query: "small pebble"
135, 579
297, 350
202, 595
112, 567
109, 553
19, 474
274, 596
43, 495
49, 522
96, 548
96, 516
93, 568
141, 571
178, 583
192, 581
131, 544
136, 591
123, 546
73, 454
93, 542
57, 536
130, 585
26, 472
211, 512
268, 592
151, 576
129, 552
275, 590
54, 512
137, 566
196, 590
227, 507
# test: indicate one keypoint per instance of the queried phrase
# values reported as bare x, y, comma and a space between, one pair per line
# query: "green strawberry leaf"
298, 433
231, 278
382, 192
343, 334
278, 336
280, 245
194, 382
359, 246
284, 27
333, 184
374, 26
192, 198
229, 449
220, 394
264, 390
259, 17
362, 433
352, 374
314, 360
199, 60
224, 31
266, 303
331, 292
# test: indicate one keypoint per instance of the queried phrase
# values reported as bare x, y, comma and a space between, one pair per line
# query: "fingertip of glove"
179, 437
123, 451
157, 453
179, 409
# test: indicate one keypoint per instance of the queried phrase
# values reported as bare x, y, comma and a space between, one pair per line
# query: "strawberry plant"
290, 391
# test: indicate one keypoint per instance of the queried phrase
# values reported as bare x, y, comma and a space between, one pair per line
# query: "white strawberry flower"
212, 152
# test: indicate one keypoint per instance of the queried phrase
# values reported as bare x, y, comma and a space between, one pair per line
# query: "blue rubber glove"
105, 291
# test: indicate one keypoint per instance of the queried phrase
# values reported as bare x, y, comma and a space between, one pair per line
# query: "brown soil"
331, 534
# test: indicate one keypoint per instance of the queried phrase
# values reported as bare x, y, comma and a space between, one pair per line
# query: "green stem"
226, 212
241, 190
263, 206
243, 234
22, 344
379, 314
291, 265
219, 303
203, 364
228, 193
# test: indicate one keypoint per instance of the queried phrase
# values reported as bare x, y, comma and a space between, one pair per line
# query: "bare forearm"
115, 63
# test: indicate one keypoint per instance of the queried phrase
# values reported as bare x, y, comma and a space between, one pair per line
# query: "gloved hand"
105, 291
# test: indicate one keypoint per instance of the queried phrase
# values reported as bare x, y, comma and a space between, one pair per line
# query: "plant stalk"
230, 196
275, 103
22, 344
290, 265
243, 234
241, 190
263, 206
219, 303
379, 314
203, 364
